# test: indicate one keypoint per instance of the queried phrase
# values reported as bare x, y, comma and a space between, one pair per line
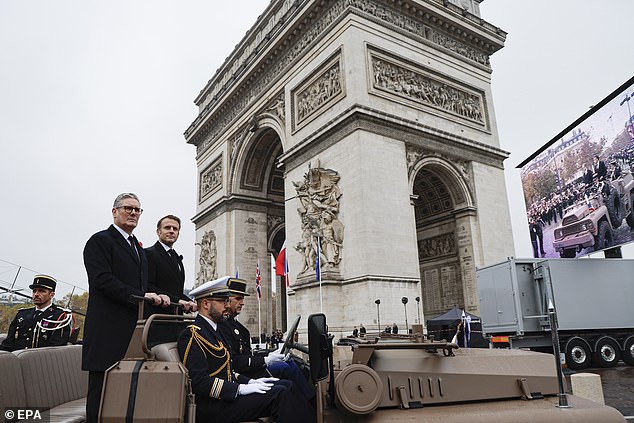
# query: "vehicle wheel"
630, 217
605, 237
614, 208
628, 351
568, 253
577, 354
607, 353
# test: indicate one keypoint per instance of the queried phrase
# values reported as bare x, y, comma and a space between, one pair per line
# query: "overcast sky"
95, 97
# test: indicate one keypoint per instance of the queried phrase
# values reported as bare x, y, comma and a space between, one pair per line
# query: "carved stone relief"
319, 197
276, 108
272, 222
321, 89
207, 258
415, 154
297, 44
438, 246
210, 179
417, 85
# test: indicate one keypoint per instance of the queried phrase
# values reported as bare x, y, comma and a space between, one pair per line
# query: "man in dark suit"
167, 275
44, 325
165, 265
117, 268
222, 395
599, 168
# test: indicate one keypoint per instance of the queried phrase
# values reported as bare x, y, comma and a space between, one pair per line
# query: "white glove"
264, 380
253, 387
273, 358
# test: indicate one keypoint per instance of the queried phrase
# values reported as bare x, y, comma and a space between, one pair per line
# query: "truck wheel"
614, 208
577, 354
568, 253
628, 351
607, 353
630, 220
630, 217
605, 237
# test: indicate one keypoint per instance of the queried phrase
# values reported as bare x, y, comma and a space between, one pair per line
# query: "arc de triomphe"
361, 132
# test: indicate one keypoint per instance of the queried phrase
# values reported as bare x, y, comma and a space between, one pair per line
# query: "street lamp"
378, 315
418, 308
404, 301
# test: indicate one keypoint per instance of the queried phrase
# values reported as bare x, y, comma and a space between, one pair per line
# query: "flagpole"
258, 293
259, 325
318, 274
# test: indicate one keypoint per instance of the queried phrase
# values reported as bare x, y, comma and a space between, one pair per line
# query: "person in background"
44, 324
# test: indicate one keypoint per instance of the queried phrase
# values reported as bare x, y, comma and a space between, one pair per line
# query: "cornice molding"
230, 91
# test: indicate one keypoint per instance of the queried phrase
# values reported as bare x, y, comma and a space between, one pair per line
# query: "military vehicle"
408, 378
592, 221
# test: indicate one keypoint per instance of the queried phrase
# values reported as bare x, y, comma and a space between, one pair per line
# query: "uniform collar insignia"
237, 331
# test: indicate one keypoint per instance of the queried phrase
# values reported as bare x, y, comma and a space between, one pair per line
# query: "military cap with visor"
218, 288
44, 281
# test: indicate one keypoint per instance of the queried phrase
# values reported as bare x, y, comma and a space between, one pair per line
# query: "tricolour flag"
258, 279
281, 266
279, 261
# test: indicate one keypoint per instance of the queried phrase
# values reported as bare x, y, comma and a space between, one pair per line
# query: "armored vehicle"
401, 379
592, 221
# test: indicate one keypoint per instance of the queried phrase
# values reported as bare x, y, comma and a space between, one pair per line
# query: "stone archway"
357, 85
442, 201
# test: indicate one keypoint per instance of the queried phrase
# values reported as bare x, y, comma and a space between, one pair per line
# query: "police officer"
44, 325
222, 395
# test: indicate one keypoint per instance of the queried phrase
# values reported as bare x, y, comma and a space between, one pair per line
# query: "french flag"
281, 265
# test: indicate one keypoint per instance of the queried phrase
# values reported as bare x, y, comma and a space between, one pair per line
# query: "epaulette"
64, 309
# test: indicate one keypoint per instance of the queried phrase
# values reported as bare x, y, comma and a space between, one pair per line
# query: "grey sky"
95, 96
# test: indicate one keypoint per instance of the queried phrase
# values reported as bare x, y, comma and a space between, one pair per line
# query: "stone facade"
363, 133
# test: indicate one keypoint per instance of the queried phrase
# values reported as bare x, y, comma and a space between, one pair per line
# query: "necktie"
37, 314
135, 253
174, 256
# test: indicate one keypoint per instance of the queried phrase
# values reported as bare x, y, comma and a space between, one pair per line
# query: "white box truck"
593, 301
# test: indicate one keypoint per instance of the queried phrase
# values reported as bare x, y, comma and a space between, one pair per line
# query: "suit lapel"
123, 243
140, 261
168, 259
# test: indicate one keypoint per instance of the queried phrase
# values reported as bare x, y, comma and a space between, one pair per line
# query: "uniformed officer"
44, 325
242, 358
221, 394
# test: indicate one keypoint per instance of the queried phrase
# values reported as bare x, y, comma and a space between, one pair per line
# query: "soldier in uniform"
44, 325
243, 359
221, 394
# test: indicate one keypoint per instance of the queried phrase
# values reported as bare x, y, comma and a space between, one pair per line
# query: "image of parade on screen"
579, 187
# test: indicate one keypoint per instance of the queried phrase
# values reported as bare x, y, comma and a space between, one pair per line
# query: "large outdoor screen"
579, 186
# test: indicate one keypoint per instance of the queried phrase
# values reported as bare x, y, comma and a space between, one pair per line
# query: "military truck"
592, 221
591, 297
409, 378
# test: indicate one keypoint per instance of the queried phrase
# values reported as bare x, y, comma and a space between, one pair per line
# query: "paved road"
618, 388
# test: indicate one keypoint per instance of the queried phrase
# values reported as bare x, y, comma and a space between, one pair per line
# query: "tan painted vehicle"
399, 379
592, 221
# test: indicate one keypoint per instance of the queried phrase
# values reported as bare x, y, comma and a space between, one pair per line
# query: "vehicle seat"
169, 352
166, 352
